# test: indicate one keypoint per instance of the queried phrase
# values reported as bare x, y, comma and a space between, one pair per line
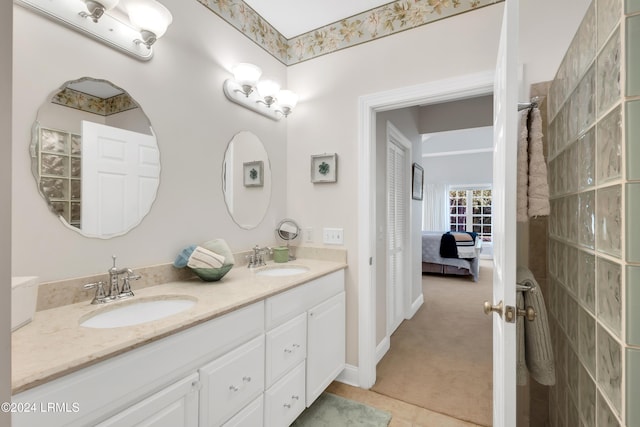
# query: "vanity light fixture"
151, 17
148, 21
97, 8
262, 96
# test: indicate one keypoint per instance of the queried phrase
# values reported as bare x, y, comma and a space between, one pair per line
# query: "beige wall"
194, 128
5, 208
326, 119
459, 114
180, 90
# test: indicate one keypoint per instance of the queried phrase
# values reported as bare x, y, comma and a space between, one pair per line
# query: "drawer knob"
233, 388
246, 379
287, 405
294, 397
286, 350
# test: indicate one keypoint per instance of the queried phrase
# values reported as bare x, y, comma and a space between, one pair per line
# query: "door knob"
498, 308
528, 313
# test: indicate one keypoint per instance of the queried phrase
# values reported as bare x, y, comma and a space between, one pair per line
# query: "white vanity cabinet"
115, 386
311, 316
259, 365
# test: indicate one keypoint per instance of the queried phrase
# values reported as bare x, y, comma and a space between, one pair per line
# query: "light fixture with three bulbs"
148, 20
262, 96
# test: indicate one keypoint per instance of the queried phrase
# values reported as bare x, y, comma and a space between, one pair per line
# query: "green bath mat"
330, 410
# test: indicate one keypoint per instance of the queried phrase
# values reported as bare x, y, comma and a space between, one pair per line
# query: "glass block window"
470, 210
59, 157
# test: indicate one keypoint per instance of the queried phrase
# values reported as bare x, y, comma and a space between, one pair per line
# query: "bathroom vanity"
254, 350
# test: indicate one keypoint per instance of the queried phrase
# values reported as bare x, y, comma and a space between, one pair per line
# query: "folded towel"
220, 247
204, 258
538, 350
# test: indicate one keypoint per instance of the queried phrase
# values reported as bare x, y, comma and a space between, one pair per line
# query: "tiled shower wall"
594, 227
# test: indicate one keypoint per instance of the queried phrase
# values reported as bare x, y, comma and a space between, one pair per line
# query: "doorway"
440, 91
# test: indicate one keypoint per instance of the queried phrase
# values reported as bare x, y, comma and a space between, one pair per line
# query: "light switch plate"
333, 236
307, 235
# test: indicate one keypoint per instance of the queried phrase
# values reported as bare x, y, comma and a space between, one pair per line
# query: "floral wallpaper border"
382, 21
93, 104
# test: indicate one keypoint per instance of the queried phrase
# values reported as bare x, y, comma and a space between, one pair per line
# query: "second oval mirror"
95, 158
246, 180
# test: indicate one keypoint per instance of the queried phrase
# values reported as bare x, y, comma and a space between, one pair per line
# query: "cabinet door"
325, 345
175, 406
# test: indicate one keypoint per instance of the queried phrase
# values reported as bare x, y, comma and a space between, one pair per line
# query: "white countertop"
54, 344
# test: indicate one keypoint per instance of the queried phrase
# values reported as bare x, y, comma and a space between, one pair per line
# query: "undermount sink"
285, 270
134, 312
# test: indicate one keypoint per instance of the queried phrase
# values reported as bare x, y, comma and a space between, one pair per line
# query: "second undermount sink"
134, 312
285, 270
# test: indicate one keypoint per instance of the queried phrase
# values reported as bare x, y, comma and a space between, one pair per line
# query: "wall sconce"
261, 96
148, 21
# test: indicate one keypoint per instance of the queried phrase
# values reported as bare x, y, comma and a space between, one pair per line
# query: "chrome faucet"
114, 292
256, 259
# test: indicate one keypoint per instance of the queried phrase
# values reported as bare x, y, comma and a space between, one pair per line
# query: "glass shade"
149, 15
288, 99
268, 88
246, 74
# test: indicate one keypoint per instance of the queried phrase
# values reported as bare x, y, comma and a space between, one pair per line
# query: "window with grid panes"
470, 210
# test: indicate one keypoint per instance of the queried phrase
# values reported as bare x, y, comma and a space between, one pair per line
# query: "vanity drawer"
251, 416
231, 382
287, 305
285, 401
286, 347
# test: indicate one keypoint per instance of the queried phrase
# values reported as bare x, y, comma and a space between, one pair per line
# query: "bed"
432, 262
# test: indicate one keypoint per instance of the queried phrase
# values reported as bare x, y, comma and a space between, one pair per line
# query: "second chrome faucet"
115, 291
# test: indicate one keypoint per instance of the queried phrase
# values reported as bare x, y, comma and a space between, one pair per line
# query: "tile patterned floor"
403, 414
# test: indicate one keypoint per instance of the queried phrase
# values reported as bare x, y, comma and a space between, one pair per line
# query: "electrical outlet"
307, 235
333, 236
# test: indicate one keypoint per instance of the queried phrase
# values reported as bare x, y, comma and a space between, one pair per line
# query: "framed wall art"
324, 168
417, 182
253, 173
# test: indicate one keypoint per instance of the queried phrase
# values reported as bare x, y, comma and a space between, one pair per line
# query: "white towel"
204, 258
521, 363
523, 169
538, 349
538, 189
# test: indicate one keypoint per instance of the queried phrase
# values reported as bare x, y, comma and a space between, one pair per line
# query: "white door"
120, 176
397, 223
504, 218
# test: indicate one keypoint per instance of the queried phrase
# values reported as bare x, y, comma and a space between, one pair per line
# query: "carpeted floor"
442, 358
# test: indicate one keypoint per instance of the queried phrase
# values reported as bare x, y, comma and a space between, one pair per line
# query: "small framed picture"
417, 182
324, 168
253, 173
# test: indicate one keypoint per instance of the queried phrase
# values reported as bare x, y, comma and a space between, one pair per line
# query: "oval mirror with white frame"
95, 158
246, 180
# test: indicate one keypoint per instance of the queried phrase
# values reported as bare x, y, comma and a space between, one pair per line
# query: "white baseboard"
416, 305
382, 348
349, 376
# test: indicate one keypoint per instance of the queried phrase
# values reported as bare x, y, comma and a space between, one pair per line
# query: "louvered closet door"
397, 193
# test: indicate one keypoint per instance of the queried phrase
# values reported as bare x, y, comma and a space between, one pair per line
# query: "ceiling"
294, 17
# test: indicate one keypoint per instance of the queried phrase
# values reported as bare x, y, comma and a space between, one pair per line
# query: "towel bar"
525, 287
